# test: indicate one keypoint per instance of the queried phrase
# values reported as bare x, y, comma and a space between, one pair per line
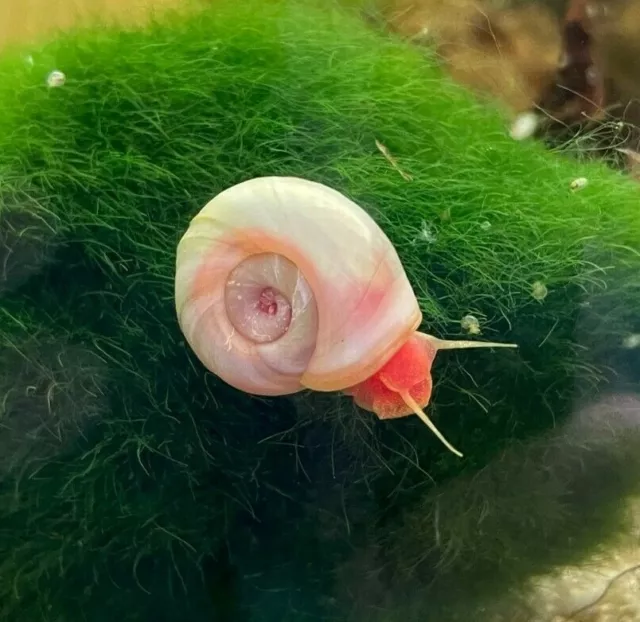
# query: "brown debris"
509, 54
577, 92
576, 62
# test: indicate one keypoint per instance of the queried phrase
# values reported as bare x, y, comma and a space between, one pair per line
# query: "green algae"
143, 514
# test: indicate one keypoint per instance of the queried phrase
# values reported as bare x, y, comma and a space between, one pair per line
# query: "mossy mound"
170, 479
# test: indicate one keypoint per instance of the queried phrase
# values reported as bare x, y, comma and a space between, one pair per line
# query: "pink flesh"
408, 371
259, 312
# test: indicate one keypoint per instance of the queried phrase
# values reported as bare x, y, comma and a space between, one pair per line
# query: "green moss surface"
145, 489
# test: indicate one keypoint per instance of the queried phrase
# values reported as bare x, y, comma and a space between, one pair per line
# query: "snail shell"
284, 284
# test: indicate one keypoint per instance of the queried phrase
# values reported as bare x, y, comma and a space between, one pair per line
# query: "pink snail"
284, 284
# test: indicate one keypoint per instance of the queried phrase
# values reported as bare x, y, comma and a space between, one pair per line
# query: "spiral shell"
284, 284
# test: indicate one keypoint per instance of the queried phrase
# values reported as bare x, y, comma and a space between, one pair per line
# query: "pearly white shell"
351, 304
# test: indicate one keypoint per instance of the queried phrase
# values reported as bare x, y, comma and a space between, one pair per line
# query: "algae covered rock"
176, 488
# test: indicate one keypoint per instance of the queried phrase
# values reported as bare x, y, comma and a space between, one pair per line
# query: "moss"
128, 519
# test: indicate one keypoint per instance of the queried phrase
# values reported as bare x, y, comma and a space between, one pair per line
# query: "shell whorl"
284, 284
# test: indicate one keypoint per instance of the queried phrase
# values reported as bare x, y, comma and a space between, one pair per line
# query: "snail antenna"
445, 344
413, 405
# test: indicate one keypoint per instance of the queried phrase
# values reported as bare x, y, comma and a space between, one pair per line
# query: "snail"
284, 284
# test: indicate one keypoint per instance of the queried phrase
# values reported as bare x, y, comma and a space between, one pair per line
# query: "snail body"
284, 284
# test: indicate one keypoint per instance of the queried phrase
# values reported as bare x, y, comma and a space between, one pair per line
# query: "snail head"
403, 385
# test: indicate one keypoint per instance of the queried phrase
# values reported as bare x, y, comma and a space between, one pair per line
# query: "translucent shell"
283, 284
